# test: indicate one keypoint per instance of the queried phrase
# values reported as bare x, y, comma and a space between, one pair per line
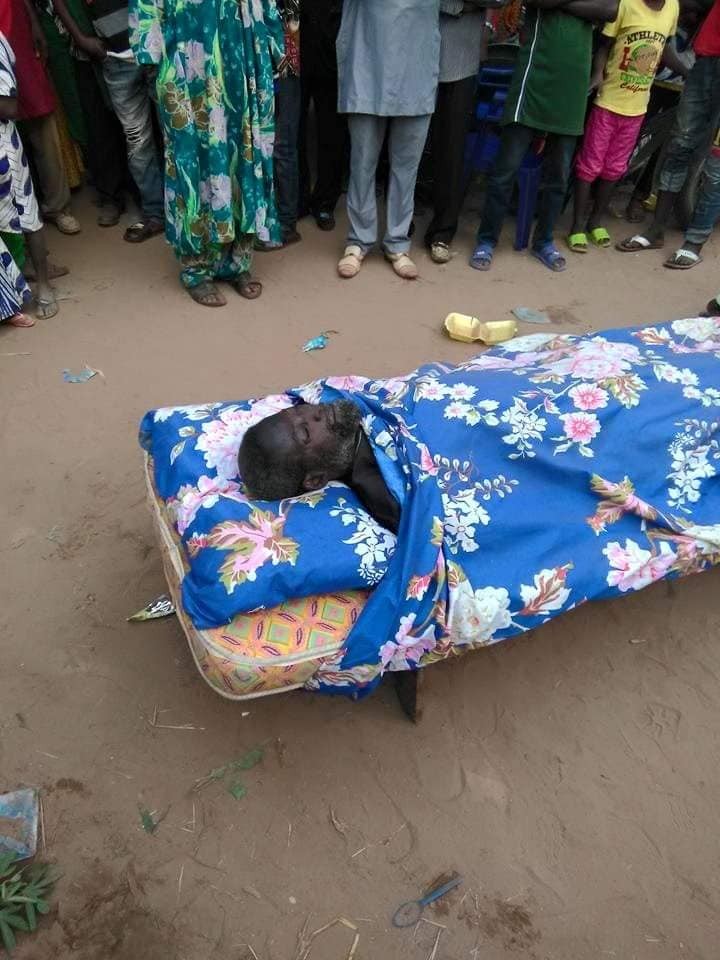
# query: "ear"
314, 480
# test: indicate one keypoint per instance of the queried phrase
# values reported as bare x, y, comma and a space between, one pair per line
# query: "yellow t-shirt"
640, 35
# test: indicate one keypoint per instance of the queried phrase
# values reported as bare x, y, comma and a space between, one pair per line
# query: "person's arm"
8, 108
672, 61
600, 61
39, 38
92, 46
597, 11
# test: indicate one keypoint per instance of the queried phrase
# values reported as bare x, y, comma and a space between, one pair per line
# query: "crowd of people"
211, 121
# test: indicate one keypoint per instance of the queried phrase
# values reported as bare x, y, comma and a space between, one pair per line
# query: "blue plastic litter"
319, 342
19, 823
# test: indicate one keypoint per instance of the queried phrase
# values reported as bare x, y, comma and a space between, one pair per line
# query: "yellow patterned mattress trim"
235, 675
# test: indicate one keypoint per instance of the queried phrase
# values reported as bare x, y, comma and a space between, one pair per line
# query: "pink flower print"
580, 427
347, 383
220, 441
406, 651
586, 396
195, 59
427, 464
597, 359
633, 568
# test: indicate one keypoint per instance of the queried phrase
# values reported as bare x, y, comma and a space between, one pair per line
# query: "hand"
596, 81
39, 42
93, 47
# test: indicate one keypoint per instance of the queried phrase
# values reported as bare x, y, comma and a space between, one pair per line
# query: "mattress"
264, 652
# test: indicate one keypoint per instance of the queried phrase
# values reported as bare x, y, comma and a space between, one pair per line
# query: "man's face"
320, 438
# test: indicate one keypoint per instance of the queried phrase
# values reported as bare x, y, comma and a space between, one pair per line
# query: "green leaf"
8, 937
31, 917
237, 790
42, 906
16, 921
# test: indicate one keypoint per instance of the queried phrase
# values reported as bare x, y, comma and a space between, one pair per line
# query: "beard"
338, 458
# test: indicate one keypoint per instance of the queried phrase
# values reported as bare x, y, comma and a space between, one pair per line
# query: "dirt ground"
570, 776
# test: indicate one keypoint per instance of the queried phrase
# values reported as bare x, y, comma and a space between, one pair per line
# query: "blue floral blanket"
544, 473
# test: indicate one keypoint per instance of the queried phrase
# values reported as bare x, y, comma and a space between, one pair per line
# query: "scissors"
409, 913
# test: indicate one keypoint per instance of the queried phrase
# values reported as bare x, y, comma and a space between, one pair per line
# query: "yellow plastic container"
469, 329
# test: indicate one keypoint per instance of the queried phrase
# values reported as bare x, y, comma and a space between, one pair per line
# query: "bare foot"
46, 302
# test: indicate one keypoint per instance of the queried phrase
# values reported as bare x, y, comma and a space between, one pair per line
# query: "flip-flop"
482, 256
673, 262
578, 242
600, 237
201, 291
244, 283
638, 243
21, 320
551, 257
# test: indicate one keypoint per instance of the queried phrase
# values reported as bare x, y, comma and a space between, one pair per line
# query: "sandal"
439, 252
207, 294
402, 265
47, 307
551, 257
638, 243
578, 242
600, 237
246, 285
21, 320
482, 256
350, 262
683, 259
143, 229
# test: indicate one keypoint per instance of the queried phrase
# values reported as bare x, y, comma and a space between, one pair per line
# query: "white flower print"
477, 615
696, 328
462, 515
691, 451
461, 391
373, 544
525, 426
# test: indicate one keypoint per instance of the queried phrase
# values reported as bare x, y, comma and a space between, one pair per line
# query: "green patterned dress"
215, 63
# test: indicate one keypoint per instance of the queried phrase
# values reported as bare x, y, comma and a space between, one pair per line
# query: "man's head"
299, 449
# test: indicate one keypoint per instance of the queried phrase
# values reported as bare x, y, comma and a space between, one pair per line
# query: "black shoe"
325, 220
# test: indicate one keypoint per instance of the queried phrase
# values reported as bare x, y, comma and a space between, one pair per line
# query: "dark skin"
304, 432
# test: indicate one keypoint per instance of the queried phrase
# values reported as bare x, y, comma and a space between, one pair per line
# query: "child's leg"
590, 162
624, 132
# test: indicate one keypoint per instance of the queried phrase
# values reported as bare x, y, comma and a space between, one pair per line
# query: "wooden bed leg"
407, 687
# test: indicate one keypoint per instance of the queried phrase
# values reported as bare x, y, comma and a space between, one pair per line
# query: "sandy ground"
571, 776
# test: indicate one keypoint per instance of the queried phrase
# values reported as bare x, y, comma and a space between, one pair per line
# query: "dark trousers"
332, 145
557, 160
105, 152
285, 156
448, 130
